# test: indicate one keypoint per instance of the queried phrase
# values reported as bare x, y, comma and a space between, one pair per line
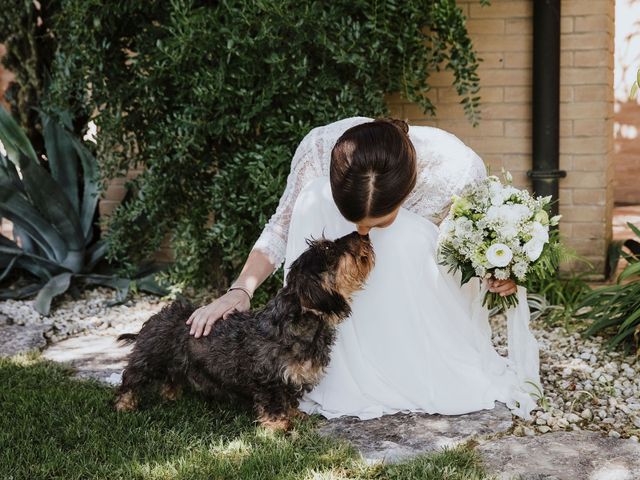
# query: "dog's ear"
314, 295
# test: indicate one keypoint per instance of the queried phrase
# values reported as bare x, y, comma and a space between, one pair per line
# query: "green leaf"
14, 140
634, 91
94, 254
91, 190
63, 160
55, 286
629, 271
47, 197
121, 285
23, 292
150, 284
634, 229
15, 206
8, 268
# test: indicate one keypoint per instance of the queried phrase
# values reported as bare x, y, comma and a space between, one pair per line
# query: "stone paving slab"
576, 455
15, 339
394, 438
97, 356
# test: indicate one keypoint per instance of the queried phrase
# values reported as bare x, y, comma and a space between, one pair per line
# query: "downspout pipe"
545, 171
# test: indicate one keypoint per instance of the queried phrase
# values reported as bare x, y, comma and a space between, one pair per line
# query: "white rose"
499, 255
533, 249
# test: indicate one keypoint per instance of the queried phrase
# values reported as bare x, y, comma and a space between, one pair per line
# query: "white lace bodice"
445, 166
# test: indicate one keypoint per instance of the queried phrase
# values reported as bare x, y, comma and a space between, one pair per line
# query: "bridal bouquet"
496, 230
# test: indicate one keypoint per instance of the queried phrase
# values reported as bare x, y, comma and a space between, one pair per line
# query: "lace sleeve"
476, 173
304, 168
445, 166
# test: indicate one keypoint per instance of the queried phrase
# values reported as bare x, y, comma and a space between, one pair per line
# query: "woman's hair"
373, 168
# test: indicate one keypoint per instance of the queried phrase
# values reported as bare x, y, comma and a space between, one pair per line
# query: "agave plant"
52, 214
617, 307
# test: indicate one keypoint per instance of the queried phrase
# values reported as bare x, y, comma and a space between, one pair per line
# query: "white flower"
533, 249
499, 255
501, 273
508, 231
539, 232
520, 270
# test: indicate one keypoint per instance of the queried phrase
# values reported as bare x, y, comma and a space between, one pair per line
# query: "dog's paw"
126, 402
276, 424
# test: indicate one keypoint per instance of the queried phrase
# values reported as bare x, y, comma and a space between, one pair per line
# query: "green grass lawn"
53, 426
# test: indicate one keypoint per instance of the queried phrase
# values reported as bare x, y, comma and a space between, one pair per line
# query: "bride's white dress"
416, 340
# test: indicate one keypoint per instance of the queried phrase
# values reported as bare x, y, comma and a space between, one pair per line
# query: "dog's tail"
128, 337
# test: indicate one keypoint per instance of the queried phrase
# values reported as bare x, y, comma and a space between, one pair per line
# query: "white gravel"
88, 313
585, 387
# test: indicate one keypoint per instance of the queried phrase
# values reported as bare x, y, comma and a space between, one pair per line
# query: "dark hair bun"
401, 124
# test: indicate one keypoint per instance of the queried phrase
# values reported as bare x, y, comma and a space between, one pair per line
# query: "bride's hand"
202, 319
503, 287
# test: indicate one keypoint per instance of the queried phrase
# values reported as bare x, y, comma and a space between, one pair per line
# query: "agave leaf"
26, 242
23, 260
36, 268
15, 206
91, 190
634, 229
121, 285
8, 268
13, 138
43, 191
23, 292
55, 286
62, 157
150, 284
15, 250
9, 173
95, 253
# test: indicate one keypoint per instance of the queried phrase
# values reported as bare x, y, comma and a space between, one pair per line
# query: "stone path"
393, 438
557, 455
97, 356
576, 455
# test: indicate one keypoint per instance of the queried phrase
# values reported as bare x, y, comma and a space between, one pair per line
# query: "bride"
416, 340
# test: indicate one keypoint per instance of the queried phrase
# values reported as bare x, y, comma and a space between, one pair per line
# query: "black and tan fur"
270, 356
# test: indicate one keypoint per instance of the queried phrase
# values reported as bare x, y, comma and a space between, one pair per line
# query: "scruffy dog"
270, 356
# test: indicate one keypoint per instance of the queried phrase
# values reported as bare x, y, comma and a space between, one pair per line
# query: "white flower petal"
499, 255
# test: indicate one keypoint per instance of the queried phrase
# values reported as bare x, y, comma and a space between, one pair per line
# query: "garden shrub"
212, 99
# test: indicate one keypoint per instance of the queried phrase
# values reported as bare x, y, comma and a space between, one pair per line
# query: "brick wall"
626, 117
503, 35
